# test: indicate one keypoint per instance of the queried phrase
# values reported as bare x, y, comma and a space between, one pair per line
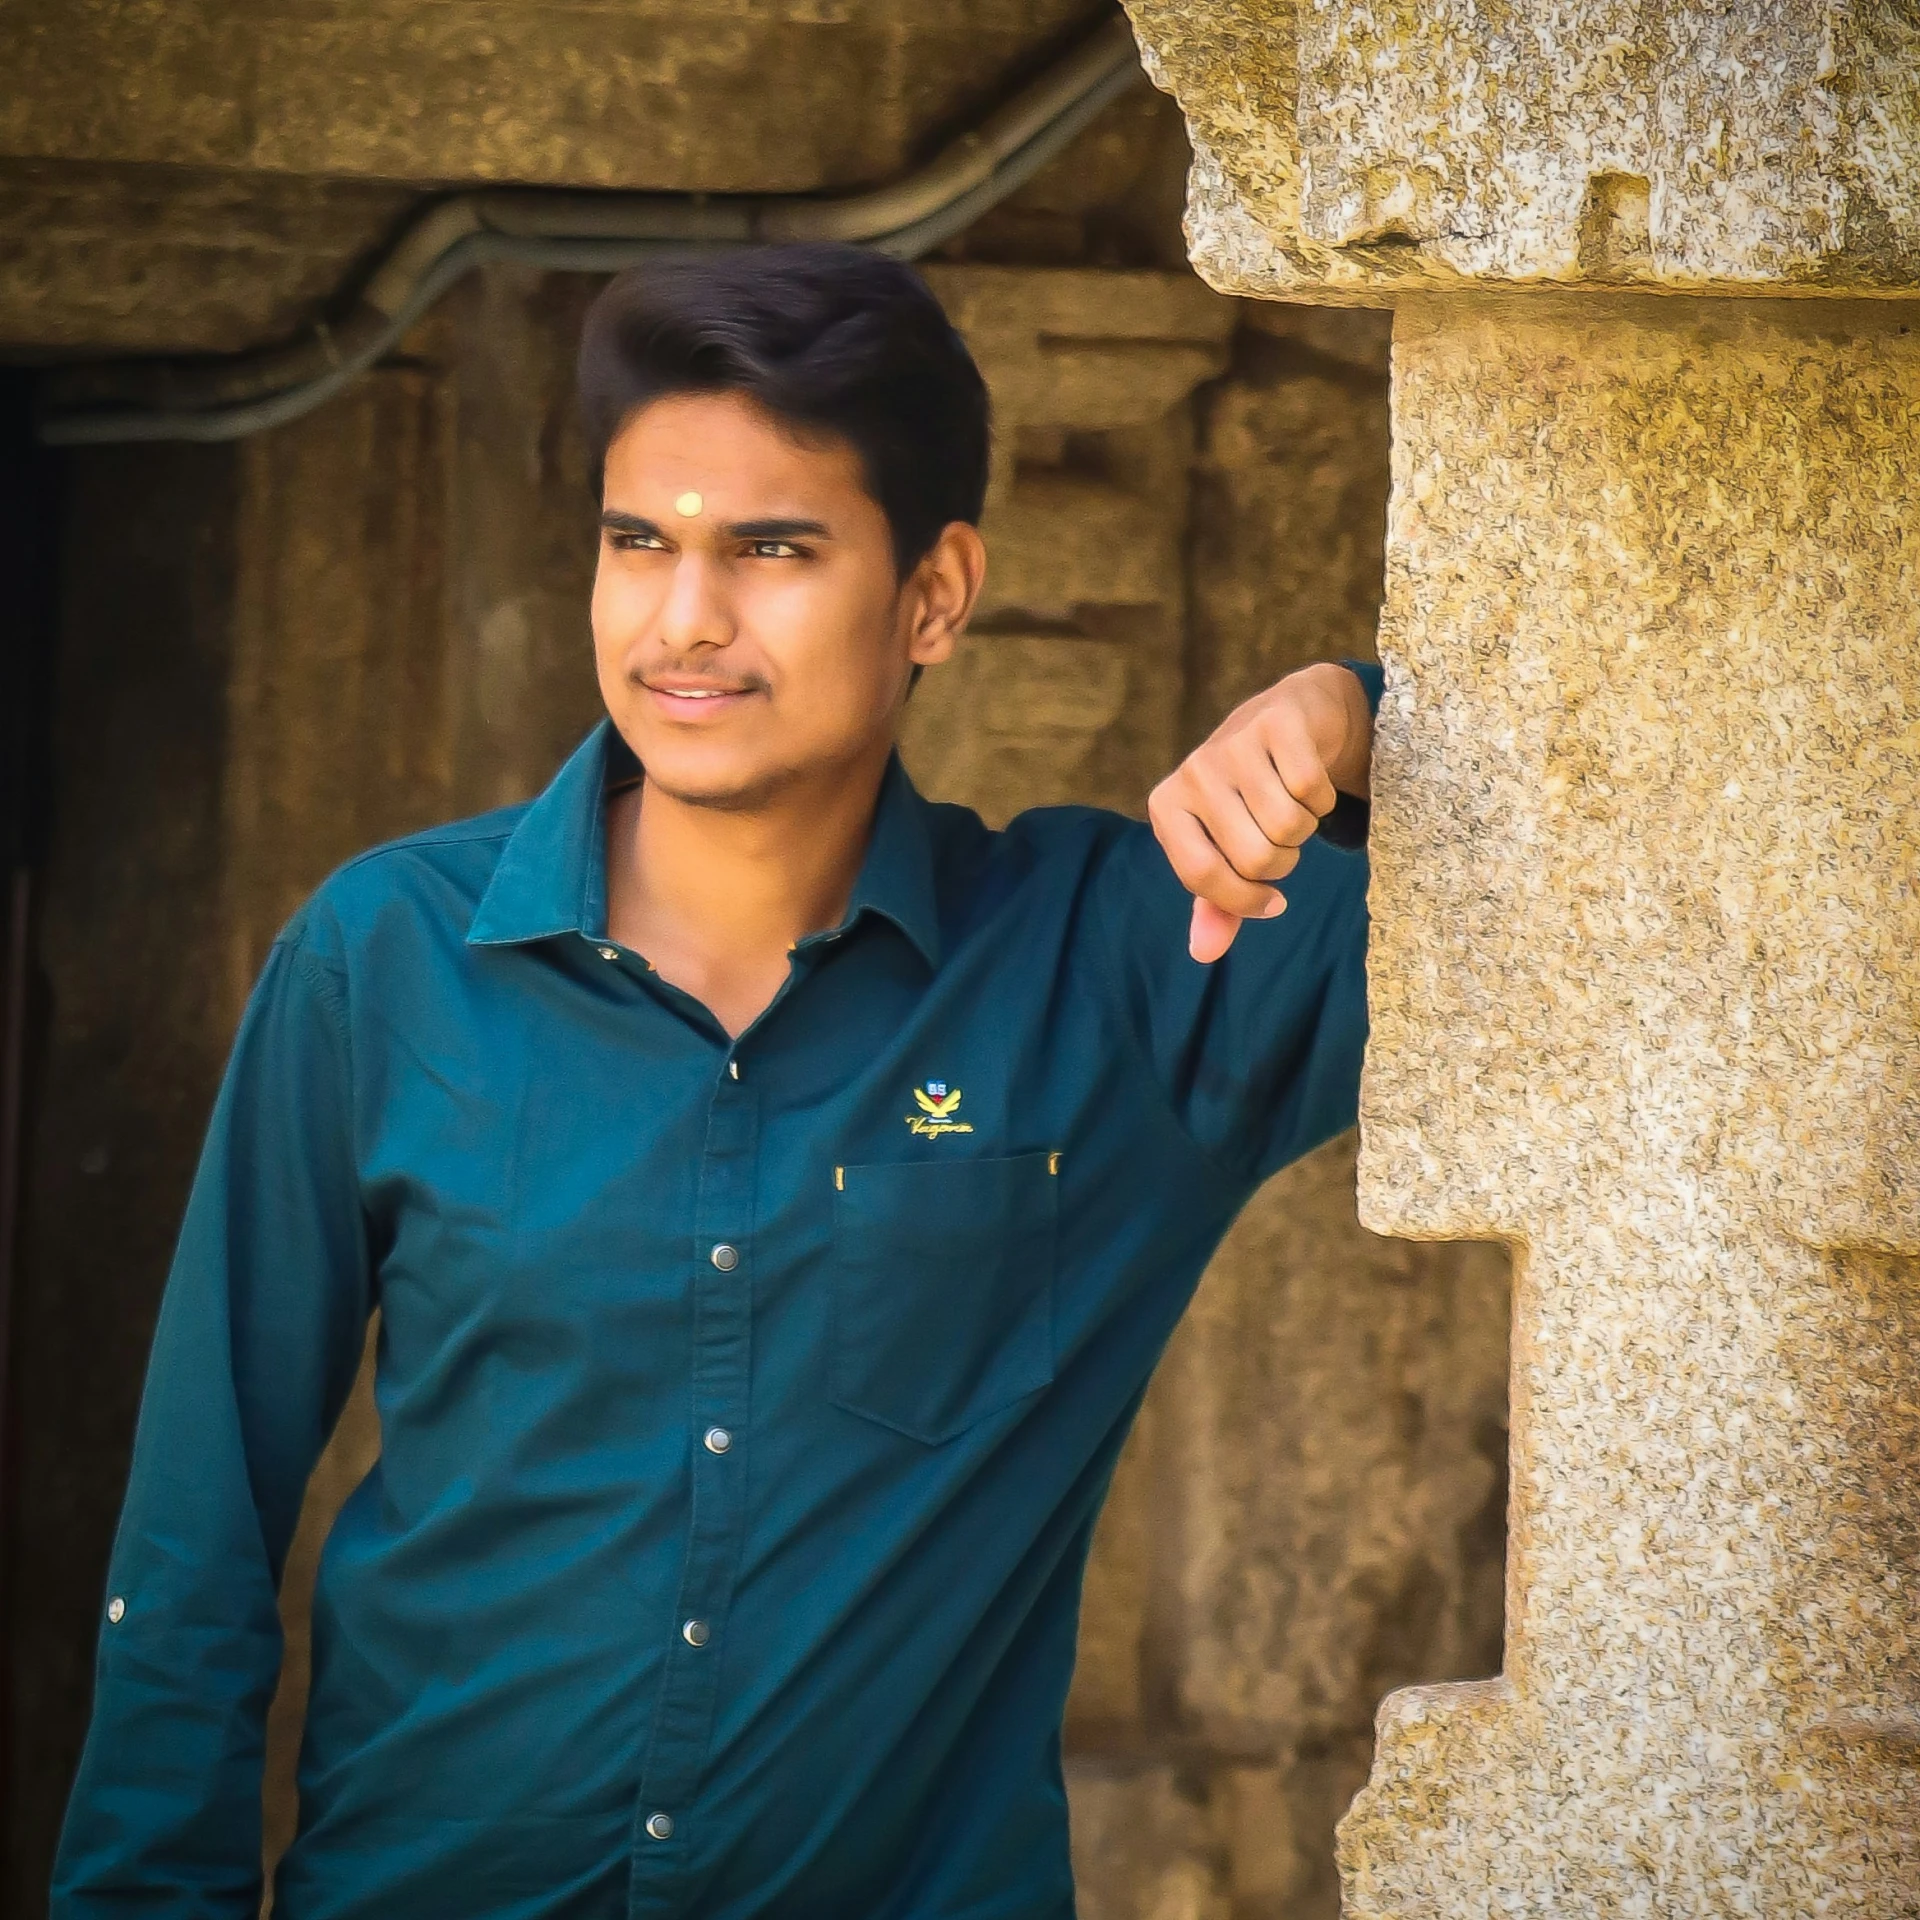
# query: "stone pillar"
1645, 973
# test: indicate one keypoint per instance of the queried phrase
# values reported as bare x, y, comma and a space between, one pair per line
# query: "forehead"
726, 446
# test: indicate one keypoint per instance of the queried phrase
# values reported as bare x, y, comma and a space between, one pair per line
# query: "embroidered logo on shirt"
937, 1103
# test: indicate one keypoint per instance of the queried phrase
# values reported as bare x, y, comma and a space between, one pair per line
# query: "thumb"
1211, 932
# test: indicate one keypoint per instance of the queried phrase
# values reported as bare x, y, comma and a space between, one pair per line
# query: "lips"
688, 699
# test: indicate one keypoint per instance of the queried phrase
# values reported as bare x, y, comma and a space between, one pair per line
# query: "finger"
1296, 761
1211, 932
1281, 816
1206, 872
1201, 867
1223, 810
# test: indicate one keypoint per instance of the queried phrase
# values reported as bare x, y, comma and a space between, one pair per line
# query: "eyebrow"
617, 522
779, 529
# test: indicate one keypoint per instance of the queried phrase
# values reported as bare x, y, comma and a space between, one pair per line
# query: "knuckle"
1256, 869
1319, 795
1246, 848
1218, 877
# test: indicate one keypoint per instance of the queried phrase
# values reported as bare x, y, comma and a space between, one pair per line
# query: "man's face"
748, 628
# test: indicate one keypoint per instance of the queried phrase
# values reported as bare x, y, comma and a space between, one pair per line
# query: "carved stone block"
1355, 152
1644, 986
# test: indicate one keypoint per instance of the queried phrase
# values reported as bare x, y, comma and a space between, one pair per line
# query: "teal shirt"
745, 1405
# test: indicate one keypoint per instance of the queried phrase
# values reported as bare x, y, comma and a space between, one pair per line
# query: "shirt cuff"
1346, 826
1373, 677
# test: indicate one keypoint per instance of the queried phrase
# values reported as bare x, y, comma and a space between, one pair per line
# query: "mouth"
696, 700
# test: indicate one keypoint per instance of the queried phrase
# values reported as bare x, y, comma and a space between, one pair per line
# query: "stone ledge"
1345, 156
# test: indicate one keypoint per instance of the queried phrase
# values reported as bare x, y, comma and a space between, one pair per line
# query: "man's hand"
1235, 813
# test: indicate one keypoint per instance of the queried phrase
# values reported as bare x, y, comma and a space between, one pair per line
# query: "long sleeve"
1258, 1054
258, 1336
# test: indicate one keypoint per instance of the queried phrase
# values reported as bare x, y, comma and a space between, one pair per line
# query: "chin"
726, 782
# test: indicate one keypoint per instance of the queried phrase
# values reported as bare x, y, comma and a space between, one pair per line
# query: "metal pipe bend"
569, 231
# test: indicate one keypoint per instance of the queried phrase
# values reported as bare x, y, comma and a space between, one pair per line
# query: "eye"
628, 541
773, 550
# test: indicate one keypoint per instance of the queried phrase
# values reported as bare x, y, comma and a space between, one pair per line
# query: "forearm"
257, 1338
164, 1815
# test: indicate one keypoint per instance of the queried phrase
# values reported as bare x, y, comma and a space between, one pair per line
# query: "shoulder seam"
433, 837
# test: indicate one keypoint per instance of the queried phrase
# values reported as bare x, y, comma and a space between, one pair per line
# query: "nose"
696, 612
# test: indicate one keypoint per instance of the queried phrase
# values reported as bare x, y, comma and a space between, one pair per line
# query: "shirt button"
733, 1069
116, 1609
660, 1825
609, 953
696, 1633
718, 1439
724, 1257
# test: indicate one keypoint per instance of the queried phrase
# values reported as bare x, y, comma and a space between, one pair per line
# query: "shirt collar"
896, 878
551, 877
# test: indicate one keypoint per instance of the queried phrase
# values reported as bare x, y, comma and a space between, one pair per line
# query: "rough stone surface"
1348, 150
1085, 351
1069, 687
1289, 504
1644, 999
1343, 1474
1111, 198
651, 93
1146, 1846
115, 259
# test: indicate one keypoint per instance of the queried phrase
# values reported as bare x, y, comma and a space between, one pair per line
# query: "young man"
776, 1190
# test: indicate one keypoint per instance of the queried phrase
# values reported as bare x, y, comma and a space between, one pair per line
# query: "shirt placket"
667, 1815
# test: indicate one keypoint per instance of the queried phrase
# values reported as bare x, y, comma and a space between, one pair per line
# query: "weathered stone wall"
1644, 986
1659, 893
656, 93
1311, 1512
375, 617
1361, 153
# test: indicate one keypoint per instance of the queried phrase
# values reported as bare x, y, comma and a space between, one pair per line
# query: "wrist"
1342, 723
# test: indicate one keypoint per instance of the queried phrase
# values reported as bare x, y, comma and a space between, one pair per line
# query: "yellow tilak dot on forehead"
688, 505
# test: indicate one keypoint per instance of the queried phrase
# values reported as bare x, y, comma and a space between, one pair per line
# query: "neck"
715, 898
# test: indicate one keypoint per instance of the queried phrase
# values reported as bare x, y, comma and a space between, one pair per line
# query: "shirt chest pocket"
943, 1290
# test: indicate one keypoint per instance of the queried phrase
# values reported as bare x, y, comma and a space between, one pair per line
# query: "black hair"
832, 340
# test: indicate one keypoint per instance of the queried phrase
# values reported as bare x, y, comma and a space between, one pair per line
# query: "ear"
944, 587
